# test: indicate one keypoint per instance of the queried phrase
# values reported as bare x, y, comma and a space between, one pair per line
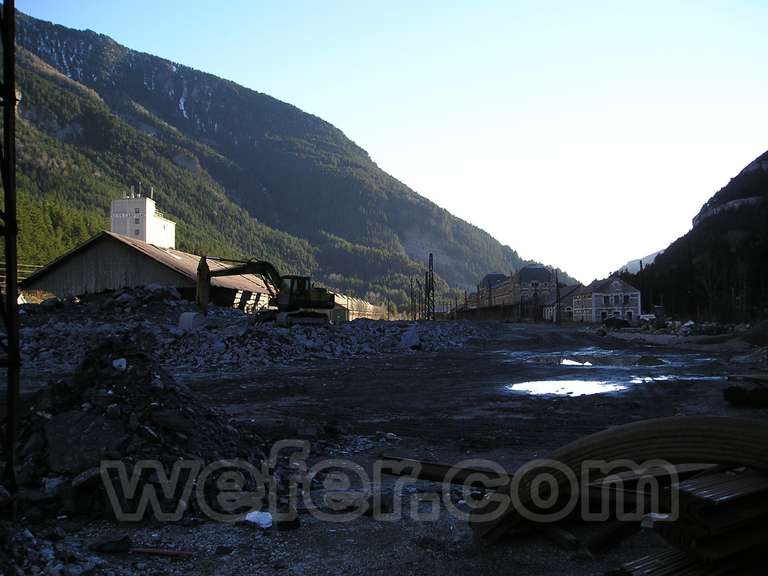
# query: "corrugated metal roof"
182, 262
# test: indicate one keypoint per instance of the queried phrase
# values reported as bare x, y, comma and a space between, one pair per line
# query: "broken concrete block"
410, 339
191, 321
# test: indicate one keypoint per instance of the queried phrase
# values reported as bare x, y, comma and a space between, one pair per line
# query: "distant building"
139, 218
565, 304
493, 290
527, 291
609, 298
536, 282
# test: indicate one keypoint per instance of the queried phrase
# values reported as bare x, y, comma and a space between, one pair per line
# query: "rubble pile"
121, 406
23, 553
691, 328
239, 342
54, 335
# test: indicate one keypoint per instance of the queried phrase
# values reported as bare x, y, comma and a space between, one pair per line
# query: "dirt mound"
119, 405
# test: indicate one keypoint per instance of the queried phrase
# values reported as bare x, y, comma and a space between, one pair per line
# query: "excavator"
296, 299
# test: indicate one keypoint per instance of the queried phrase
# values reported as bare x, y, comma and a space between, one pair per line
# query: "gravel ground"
445, 403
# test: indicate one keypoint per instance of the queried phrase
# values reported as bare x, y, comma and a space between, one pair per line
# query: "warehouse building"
111, 261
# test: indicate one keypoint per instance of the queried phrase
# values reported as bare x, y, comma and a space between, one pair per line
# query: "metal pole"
411, 308
10, 232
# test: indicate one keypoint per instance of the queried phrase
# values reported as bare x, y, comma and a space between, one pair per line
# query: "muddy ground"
445, 406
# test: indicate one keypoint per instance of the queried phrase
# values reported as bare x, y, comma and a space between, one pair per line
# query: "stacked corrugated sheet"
721, 527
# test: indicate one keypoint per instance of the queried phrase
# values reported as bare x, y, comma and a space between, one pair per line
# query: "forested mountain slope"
718, 269
243, 173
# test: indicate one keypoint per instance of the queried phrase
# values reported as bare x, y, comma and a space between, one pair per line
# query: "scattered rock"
119, 363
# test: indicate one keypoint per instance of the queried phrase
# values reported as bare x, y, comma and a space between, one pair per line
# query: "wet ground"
446, 405
484, 401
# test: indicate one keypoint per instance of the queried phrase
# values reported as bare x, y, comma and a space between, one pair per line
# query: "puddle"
567, 387
569, 362
587, 387
649, 379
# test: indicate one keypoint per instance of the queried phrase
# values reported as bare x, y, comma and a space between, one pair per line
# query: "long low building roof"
183, 263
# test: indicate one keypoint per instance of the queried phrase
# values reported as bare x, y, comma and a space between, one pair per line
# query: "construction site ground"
444, 406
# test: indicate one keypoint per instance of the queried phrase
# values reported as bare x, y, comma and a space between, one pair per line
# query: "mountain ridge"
291, 172
717, 269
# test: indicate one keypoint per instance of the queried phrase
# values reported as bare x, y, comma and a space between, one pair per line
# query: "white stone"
260, 519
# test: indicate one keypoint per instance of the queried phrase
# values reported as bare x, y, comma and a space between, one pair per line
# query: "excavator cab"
297, 292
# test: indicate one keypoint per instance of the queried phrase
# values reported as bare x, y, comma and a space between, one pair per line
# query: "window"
606, 300
617, 313
137, 210
136, 232
626, 299
136, 220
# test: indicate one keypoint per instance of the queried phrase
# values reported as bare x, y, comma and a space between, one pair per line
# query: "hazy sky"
583, 134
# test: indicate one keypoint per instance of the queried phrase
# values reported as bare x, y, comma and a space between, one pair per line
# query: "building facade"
603, 299
138, 217
536, 284
561, 310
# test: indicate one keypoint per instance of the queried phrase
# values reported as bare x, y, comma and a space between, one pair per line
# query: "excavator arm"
287, 293
259, 267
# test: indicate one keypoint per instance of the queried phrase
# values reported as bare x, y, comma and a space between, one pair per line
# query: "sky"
582, 134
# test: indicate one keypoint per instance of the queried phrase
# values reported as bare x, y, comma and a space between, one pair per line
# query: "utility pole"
420, 314
431, 289
9, 227
642, 287
411, 309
